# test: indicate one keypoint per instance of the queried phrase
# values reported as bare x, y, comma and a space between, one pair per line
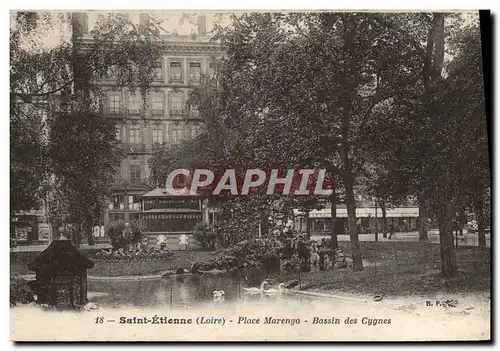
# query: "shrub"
291, 264
231, 231
133, 255
263, 253
205, 235
123, 237
20, 292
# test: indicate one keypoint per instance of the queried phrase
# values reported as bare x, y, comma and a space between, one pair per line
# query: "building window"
117, 217
133, 104
176, 136
111, 73
157, 105
134, 203
114, 104
176, 105
115, 205
211, 69
158, 70
157, 136
175, 71
194, 71
193, 111
135, 174
134, 136
195, 130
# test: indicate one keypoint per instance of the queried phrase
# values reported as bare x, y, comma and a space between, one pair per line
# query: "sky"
171, 21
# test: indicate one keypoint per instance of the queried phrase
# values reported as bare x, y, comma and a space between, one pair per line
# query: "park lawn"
397, 269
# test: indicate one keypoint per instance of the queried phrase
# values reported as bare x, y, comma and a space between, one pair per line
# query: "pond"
183, 291
126, 306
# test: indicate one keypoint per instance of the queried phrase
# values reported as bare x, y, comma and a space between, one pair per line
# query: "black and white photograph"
260, 175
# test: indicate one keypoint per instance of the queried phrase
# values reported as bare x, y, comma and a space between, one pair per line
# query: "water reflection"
177, 291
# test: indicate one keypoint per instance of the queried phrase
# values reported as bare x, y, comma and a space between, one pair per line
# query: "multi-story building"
161, 119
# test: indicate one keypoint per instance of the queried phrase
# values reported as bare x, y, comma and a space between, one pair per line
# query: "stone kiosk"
61, 275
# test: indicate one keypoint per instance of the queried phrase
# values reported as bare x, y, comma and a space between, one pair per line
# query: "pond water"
183, 291
242, 317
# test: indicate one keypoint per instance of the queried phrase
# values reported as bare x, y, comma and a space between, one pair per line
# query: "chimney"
144, 19
80, 24
202, 26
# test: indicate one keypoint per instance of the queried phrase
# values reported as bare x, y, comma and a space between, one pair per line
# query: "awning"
363, 212
162, 193
171, 210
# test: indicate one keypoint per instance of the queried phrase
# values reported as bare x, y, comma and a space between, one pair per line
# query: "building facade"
162, 119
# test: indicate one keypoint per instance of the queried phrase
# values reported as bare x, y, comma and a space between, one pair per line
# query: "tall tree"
308, 85
64, 77
462, 100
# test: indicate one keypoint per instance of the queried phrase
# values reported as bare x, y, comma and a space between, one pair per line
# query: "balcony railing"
194, 78
134, 147
131, 181
157, 112
133, 111
113, 111
194, 114
177, 112
158, 75
176, 77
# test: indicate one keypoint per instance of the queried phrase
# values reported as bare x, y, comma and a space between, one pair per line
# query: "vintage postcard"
249, 176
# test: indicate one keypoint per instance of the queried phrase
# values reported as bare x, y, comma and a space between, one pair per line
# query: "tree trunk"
384, 218
55, 230
308, 224
438, 24
353, 230
264, 225
347, 110
448, 257
334, 243
76, 236
423, 218
481, 225
90, 237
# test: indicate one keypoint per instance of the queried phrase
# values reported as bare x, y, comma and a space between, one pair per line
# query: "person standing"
391, 230
405, 226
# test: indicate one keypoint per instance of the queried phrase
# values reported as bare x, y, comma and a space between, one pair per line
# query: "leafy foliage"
133, 255
62, 146
20, 292
267, 254
205, 235
124, 235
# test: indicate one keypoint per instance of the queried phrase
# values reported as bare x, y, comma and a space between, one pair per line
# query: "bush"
262, 253
122, 236
229, 232
20, 292
291, 264
205, 235
133, 255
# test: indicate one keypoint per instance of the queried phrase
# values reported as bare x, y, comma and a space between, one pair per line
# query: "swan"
280, 289
257, 290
